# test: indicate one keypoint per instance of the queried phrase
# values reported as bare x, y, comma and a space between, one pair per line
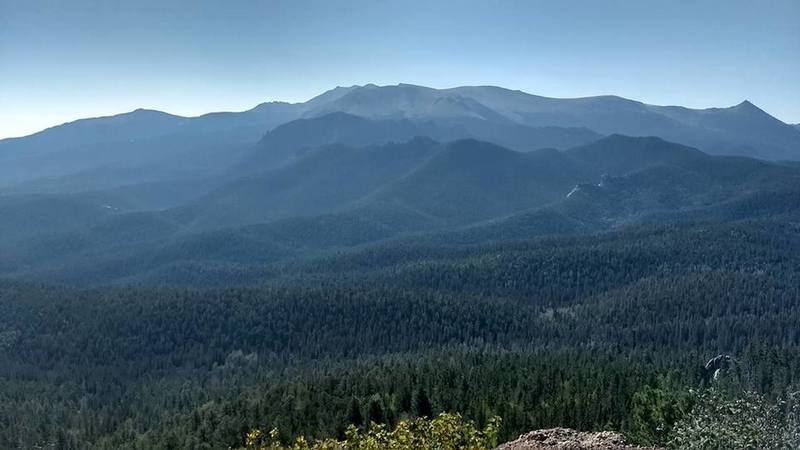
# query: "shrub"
445, 432
748, 422
656, 410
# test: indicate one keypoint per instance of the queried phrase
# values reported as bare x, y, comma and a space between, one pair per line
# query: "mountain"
743, 129
326, 179
145, 146
35, 215
618, 155
286, 143
152, 196
646, 180
456, 183
340, 198
405, 101
648, 177
469, 180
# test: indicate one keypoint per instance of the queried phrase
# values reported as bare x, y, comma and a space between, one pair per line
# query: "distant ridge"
743, 129
164, 146
335, 196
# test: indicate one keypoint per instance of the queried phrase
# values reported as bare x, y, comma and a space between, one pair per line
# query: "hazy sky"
62, 60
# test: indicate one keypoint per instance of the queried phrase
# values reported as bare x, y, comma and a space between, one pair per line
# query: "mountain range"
337, 197
134, 196
147, 146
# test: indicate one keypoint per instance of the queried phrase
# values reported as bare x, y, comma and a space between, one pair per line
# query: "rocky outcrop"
566, 439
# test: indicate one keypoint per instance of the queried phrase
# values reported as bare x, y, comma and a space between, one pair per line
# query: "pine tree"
376, 414
354, 416
422, 404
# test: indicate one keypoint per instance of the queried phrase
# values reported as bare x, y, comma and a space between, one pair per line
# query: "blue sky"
63, 60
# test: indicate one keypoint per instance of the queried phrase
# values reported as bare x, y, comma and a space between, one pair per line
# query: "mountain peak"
747, 105
145, 112
618, 154
267, 105
135, 115
331, 95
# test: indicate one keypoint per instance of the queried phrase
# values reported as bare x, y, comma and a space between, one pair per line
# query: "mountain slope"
33, 215
618, 155
338, 198
457, 182
157, 144
324, 180
405, 101
471, 180
288, 142
743, 129
646, 180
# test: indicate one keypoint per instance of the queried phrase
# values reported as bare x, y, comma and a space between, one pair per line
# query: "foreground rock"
566, 439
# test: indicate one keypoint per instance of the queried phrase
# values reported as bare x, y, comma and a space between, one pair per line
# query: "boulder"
566, 439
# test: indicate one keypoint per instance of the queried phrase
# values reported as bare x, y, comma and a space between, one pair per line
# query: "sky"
69, 59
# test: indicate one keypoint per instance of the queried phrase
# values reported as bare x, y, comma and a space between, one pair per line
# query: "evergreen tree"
422, 404
376, 410
354, 416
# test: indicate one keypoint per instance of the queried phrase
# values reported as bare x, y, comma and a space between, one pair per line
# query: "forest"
557, 331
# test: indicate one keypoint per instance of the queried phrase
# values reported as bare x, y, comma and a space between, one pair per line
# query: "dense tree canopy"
571, 331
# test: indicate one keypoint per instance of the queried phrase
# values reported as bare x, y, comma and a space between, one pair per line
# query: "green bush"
749, 422
656, 410
445, 432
